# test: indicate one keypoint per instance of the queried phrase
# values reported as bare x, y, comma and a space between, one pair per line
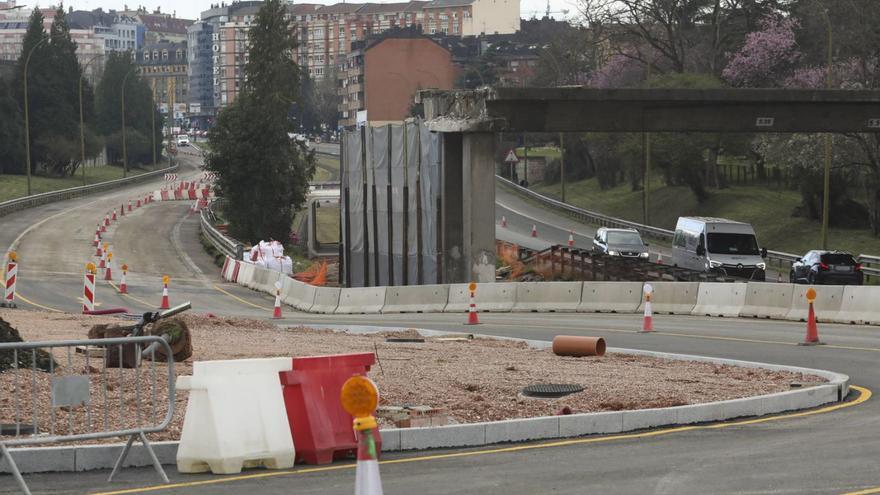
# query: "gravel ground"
475, 380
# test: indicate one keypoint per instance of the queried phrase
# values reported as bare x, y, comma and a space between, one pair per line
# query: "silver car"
620, 242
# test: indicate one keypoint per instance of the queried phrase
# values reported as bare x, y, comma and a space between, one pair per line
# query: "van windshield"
744, 244
624, 238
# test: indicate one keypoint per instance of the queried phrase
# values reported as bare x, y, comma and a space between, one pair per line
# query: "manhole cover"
551, 390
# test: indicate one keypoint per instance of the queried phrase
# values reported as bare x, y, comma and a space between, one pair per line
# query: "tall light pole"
153, 121
124, 148
82, 132
27, 122
826, 193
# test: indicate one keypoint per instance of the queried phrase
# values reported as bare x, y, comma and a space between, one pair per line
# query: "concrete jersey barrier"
860, 304
827, 305
326, 300
246, 274
720, 299
298, 294
767, 300
610, 297
416, 299
548, 296
673, 297
489, 297
361, 300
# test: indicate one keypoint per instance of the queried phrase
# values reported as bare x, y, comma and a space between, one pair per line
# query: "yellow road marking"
133, 298
864, 395
242, 300
864, 492
28, 301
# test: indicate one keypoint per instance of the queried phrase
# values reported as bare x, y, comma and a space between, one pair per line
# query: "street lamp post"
124, 148
82, 132
826, 193
153, 123
27, 123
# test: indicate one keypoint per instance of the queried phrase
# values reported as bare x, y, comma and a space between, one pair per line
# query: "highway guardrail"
17, 204
225, 244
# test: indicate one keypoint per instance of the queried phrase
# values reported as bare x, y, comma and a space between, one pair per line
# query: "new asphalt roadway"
824, 451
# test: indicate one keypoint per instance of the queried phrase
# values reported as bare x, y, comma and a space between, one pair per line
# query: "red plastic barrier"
178, 194
109, 311
321, 429
206, 192
164, 195
192, 194
235, 272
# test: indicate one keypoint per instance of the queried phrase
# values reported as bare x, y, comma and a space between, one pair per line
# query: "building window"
155, 54
164, 54
146, 56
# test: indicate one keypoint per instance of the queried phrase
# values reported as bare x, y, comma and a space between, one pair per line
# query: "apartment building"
163, 66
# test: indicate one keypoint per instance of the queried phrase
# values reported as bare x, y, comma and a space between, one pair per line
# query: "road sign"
511, 157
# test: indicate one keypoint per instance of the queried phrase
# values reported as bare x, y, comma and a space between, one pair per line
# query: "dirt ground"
474, 380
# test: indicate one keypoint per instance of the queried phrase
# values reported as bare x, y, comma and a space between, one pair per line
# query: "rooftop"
165, 24
442, 4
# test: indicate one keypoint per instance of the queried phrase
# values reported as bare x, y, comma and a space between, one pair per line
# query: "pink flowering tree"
767, 57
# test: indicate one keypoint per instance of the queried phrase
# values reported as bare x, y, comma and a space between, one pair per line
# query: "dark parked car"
827, 267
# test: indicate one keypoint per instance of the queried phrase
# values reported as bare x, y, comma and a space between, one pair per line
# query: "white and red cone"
503, 221
571, 238
165, 303
648, 322
97, 240
123, 288
659, 258
276, 313
113, 218
534, 230
103, 262
367, 478
108, 274
129, 205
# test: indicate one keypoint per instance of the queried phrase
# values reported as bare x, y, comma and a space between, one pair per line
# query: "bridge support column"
478, 192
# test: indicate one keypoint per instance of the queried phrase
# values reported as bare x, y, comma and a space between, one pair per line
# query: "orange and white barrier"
88, 296
11, 279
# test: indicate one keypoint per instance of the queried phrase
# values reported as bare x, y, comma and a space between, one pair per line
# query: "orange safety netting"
315, 274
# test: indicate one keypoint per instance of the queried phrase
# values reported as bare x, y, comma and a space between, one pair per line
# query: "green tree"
262, 173
138, 105
12, 159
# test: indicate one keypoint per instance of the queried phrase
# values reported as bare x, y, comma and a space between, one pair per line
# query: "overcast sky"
192, 9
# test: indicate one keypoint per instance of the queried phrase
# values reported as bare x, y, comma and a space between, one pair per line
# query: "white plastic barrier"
861, 304
269, 286
298, 294
261, 275
361, 300
673, 297
235, 417
548, 296
720, 299
827, 305
416, 299
767, 300
326, 300
246, 274
489, 297
610, 297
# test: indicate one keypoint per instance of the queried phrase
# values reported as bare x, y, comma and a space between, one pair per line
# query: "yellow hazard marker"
12, 256
811, 295
359, 397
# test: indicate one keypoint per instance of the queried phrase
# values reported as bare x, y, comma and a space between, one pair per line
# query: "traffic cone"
108, 275
473, 319
534, 230
106, 223
812, 337
571, 238
103, 262
165, 304
648, 322
113, 218
277, 313
367, 478
123, 288
129, 206
659, 258
97, 239
98, 251
138, 203
503, 221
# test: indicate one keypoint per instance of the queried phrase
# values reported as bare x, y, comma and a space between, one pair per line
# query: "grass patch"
768, 210
327, 168
328, 224
15, 186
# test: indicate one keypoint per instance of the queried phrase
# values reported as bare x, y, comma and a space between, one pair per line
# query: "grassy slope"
768, 210
15, 186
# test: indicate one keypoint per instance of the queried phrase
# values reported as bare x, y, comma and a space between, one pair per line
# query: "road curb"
89, 457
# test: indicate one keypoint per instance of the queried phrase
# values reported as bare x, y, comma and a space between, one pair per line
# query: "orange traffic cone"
473, 319
659, 259
138, 205
165, 303
129, 205
98, 252
103, 262
276, 314
123, 288
812, 337
571, 238
503, 221
108, 275
97, 239
113, 218
534, 230
648, 322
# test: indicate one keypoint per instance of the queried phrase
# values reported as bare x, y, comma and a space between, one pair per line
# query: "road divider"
498, 297
326, 300
361, 300
610, 297
416, 299
548, 296
829, 299
720, 299
677, 298
768, 300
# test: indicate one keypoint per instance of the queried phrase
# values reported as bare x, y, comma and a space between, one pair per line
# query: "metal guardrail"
17, 204
76, 401
226, 245
782, 261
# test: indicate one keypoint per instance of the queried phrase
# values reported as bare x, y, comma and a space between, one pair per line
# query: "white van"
718, 245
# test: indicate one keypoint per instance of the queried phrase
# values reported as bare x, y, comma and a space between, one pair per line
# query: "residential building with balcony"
163, 66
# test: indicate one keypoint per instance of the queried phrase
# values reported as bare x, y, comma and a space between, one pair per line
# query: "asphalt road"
829, 452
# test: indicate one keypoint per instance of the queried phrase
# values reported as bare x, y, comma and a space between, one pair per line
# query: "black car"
827, 267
